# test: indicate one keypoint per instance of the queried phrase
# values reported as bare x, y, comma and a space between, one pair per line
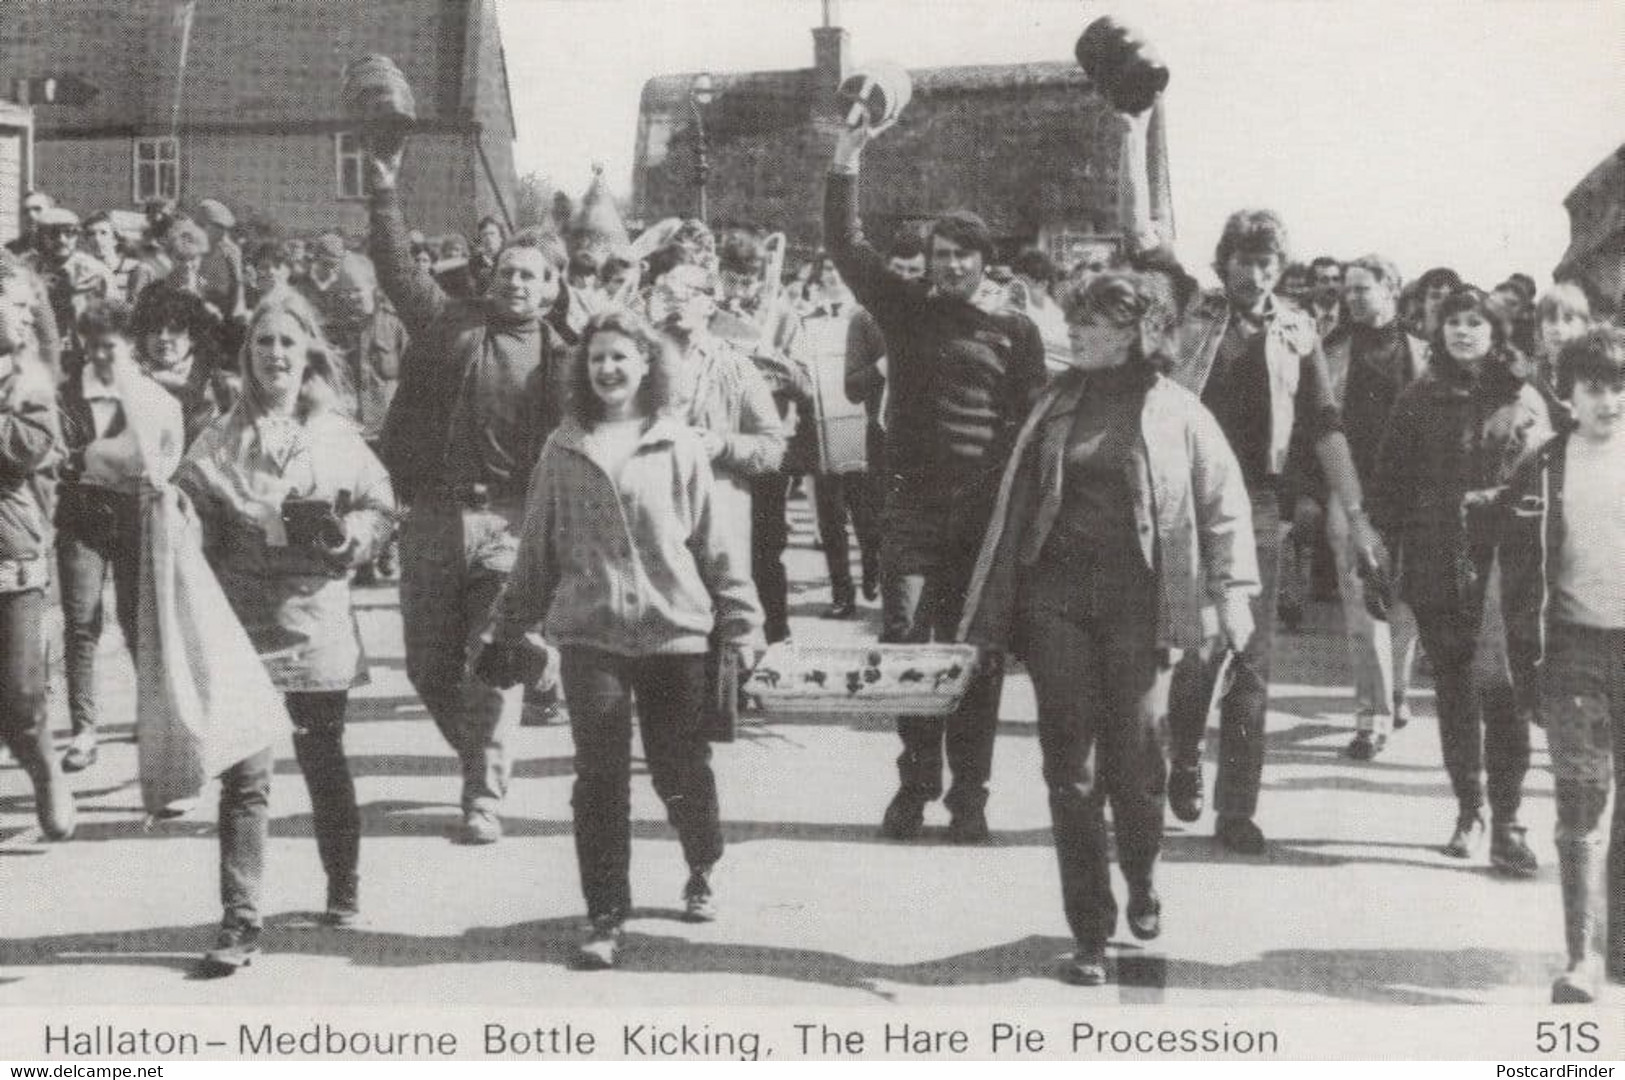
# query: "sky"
1436, 132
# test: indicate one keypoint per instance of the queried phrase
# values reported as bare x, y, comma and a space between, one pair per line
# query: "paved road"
1352, 903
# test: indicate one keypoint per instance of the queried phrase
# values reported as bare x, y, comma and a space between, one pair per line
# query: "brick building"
1596, 253
1024, 145
240, 101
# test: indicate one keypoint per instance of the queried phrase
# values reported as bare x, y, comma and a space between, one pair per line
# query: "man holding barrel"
962, 378
1257, 365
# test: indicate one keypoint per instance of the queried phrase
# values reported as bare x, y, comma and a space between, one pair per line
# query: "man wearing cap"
73, 278
962, 374
223, 266
482, 386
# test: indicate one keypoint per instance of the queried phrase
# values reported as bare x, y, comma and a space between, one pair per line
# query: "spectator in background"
1433, 288
1295, 284
1370, 365
489, 237
35, 203
423, 257
1517, 296
1562, 315
223, 268
1031, 294
73, 278
270, 270
1325, 272
178, 338
1325, 305
582, 273
103, 242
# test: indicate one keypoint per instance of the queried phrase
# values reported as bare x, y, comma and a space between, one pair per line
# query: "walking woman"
1454, 439
29, 441
115, 420
624, 557
291, 501
1121, 515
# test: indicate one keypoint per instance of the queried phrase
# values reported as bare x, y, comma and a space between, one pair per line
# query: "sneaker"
1578, 985
699, 902
1510, 853
81, 753
597, 952
1185, 792
1145, 915
969, 827
1466, 839
1402, 712
480, 827
1365, 746
235, 948
1086, 967
1240, 835
871, 585
343, 903
904, 816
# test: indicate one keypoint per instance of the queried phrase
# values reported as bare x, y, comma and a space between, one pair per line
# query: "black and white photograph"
674, 530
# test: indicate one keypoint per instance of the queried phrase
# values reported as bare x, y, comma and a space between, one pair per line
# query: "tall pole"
702, 164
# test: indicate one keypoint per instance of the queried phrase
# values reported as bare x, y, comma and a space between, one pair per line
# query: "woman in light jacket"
624, 557
288, 438
1122, 516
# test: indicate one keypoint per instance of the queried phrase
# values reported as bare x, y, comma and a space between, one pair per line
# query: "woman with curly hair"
291, 500
623, 559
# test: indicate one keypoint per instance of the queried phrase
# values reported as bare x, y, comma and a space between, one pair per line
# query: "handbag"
719, 714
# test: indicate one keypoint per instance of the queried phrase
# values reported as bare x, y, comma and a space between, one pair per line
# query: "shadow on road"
1378, 976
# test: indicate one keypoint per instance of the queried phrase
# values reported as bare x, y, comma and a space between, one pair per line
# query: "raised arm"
418, 299
861, 266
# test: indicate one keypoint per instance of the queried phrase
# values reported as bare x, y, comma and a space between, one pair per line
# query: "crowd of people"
584, 459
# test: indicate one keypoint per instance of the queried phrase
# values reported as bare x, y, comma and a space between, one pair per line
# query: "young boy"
1566, 611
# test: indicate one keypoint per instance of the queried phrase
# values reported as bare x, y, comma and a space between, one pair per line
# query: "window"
157, 169
347, 158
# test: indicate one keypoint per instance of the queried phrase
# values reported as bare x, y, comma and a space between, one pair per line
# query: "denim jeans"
1582, 700
1102, 689
670, 690
454, 563
245, 798
83, 565
1246, 701
24, 725
932, 537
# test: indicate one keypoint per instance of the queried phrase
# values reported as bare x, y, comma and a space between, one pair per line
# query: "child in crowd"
1565, 543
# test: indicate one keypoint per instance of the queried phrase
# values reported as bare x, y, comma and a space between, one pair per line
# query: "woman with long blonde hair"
291, 500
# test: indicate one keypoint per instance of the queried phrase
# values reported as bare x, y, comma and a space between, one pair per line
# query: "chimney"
831, 47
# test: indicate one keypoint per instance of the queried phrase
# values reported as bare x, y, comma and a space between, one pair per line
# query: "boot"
53, 799
1510, 853
343, 901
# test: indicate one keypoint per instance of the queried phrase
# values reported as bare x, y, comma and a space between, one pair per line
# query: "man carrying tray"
962, 376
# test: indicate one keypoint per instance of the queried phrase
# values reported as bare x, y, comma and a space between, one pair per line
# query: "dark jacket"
447, 336
1451, 436
1531, 533
951, 364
